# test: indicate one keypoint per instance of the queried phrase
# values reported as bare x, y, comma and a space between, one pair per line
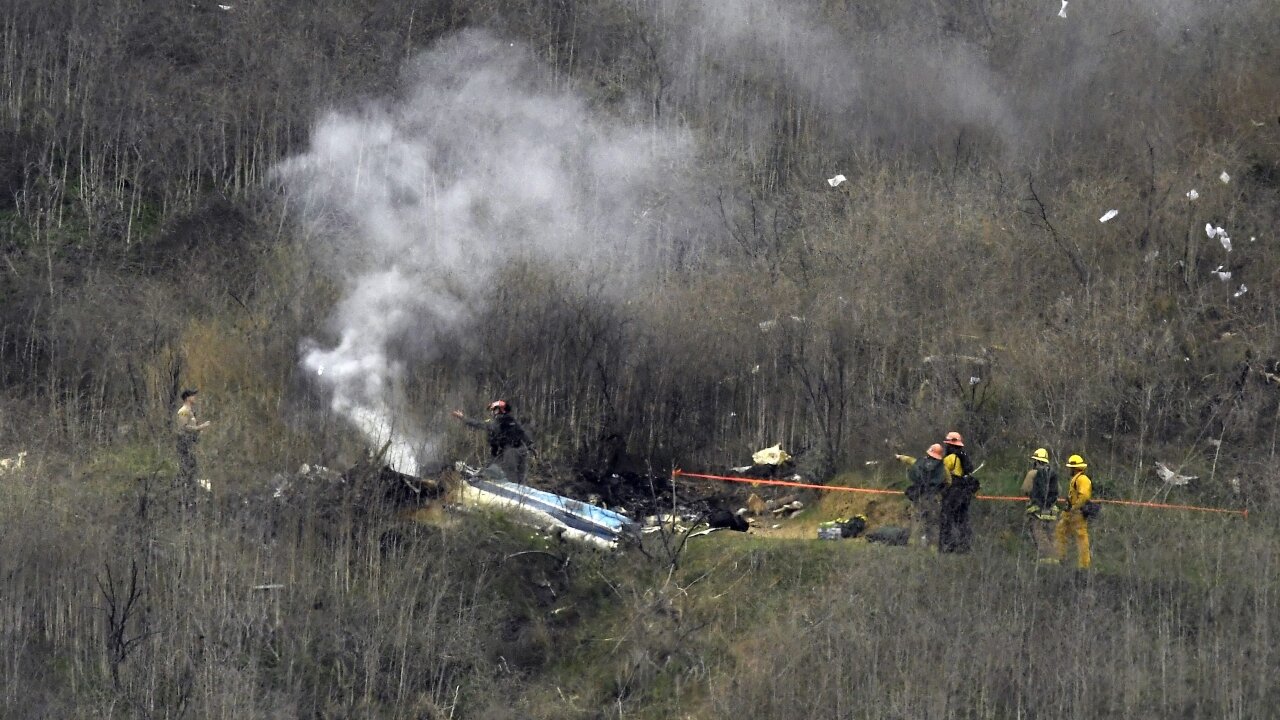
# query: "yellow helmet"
1075, 462
1040, 455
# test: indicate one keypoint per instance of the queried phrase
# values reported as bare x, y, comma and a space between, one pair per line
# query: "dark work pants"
956, 534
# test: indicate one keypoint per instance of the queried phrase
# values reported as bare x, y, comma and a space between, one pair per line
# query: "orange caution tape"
785, 483
1007, 498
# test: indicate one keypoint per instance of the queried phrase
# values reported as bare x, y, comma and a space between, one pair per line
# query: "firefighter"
928, 477
1073, 519
956, 534
509, 445
188, 428
1040, 484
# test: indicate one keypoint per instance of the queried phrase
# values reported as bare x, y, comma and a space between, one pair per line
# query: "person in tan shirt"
188, 428
1040, 485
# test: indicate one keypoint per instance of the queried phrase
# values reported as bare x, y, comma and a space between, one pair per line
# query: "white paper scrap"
1063, 12
1243, 289
1224, 177
1226, 242
1110, 214
1223, 275
836, 180
1193, 194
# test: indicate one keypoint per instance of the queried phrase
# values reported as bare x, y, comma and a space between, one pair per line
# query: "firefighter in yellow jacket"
1073, 519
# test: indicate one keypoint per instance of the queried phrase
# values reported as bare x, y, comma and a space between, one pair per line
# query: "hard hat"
953, 438
499, 405
1040, 455
1075, 462
935, 451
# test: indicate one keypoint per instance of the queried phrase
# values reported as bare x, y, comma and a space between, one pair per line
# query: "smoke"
886, 85
416, 202
915, 76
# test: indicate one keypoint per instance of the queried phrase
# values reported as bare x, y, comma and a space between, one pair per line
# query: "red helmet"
953, 438
498, 406
935, 451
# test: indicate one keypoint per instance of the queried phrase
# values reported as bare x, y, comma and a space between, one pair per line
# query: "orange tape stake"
1002, 498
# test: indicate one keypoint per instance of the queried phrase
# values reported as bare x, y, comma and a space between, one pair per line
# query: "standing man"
1073, 519
928, 477
188, 428
1040, 484
509, 446
957, 532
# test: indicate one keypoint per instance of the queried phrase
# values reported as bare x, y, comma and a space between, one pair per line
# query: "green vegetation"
959, 278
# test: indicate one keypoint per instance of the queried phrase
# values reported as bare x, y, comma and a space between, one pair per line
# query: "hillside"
669, 234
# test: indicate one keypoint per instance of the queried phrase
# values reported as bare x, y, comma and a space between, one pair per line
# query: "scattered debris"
974, 380
204, 484
1243, 289
1223, 275
1193, 194
1235, 485
1063, 12
771, 456
1108, 215
1151, 256
889, 535
1226, 242
1224, 177
271, 586
1214, 232
1214, 442
871, 462
10, 464
723, 519
1172, 478
833, 182
788, 509
767, 325
225, 7
842, 528
569, 519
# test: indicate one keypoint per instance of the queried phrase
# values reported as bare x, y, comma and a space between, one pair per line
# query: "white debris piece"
974, 380
767, 325
1063, 12
1223, 275
1243, 289
1226, 242
1151, 256
1213, 232
1235, 484
1109, 214
269, 586
13, 463
205, 484
1193, 194
225, 7
1224, 177
1172, 478
1251, 238
836, 180
1215, 442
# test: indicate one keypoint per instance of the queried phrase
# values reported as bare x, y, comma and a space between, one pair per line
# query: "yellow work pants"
1073, 522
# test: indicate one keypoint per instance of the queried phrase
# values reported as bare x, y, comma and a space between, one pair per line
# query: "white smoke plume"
415, 203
